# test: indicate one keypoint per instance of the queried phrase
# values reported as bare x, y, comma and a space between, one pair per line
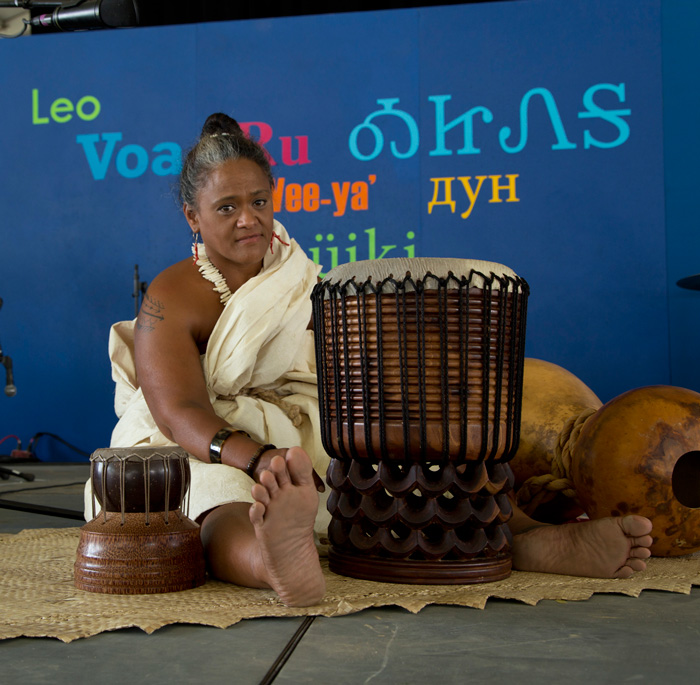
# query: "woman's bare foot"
604, 548
283, 516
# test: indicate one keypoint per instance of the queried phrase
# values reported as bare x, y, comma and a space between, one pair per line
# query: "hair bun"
222, 140
219, 123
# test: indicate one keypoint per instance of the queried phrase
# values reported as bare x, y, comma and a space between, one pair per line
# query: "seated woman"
220, 361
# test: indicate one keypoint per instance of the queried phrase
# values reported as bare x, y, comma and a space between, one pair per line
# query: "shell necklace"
211, 273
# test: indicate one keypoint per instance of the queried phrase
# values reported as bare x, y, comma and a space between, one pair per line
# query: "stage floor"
606, 639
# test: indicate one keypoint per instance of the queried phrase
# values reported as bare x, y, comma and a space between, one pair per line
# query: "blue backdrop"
527, 133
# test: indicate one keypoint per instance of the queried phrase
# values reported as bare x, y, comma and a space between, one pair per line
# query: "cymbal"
689, 282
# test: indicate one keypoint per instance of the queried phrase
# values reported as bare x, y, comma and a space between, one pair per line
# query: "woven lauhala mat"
38, 599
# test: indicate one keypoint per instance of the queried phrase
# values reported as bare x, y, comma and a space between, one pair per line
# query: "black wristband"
250, 469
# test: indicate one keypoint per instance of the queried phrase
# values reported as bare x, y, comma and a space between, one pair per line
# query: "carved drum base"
128, 557
420, 523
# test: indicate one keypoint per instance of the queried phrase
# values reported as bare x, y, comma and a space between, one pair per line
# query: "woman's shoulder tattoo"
150, 314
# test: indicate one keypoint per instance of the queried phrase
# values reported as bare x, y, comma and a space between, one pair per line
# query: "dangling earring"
272, 237
195, 249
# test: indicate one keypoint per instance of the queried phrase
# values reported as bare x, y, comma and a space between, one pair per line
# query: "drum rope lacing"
516, 288
184, 490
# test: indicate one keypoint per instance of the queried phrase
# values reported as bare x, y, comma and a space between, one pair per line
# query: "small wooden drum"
420, 380
140, 542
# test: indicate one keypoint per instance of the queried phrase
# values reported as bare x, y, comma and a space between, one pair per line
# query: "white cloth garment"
260, 372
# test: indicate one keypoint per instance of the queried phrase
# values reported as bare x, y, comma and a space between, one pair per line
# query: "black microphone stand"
5, 473
139, 291
10, 391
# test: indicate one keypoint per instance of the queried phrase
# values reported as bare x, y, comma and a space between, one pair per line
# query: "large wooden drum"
140, 542
420, 366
